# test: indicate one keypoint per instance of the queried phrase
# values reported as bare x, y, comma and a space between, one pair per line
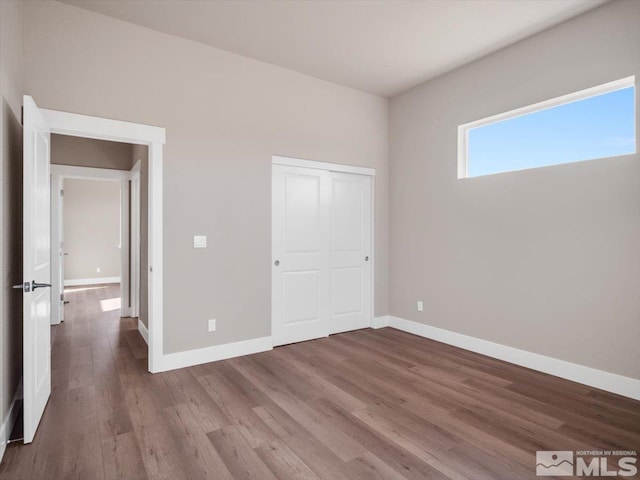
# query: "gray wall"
87, 152
91, 228
11, 90
225, 116
140, 152
545, 260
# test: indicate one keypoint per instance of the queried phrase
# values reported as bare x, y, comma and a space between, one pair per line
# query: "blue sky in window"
595, 127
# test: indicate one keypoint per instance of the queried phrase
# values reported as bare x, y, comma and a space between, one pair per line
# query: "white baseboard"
90, 281
611, 382
381, 322
172, 361
142, 328
8, 422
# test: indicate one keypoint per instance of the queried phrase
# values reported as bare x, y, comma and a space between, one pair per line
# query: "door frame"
58, 174
85, 126
134, 235
337, 167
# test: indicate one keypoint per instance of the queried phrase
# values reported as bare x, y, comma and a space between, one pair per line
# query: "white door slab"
300, 282
36, 268
350, 252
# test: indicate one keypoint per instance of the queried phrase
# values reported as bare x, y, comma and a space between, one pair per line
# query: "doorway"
90, 225
38, 126
322, 242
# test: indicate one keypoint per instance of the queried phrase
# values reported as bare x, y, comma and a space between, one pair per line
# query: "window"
595, 123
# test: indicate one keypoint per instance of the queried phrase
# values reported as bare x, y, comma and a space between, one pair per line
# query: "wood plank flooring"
370, 404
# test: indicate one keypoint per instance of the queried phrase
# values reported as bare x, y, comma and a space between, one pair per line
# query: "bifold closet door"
321, 272
300, 277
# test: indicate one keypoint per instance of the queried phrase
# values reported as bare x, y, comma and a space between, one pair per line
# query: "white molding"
155, 279
125, 249
90, 281
73, 124
8, 422
90, 173
57, 262
463, 130
142, 328
332, 167
136, 169
154, 137
611, 382
381, 322
189, 358
134, 237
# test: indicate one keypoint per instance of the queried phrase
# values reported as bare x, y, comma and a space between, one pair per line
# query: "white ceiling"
378, 46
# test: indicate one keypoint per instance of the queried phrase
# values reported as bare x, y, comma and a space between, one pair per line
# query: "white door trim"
332, 167
134, 269
58, 174
89, 173
73, 124
57, 281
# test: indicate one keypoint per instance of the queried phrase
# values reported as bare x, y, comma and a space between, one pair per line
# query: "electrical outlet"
212, 325
420, 306
98, 270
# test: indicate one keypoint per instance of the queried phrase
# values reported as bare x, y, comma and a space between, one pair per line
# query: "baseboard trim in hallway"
79, 282
144, 332
610, 382
9, 422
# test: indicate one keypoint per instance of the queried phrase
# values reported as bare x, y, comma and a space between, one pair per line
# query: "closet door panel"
300, 282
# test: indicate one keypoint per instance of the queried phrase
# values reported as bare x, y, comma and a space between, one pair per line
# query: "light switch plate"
199, 241
420, 306
212, 325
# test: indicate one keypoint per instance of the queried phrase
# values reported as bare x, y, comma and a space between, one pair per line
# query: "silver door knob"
276, 263
366, 259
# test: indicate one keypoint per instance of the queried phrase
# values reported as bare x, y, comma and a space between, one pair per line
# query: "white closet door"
300, 277
350, 252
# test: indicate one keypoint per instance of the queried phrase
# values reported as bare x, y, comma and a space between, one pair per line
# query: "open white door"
36, 267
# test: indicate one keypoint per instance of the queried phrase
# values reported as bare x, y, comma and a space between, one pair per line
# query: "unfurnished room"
319, 239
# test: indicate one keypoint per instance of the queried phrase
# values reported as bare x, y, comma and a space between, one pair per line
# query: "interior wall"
225, 115
87, 152
91, 225
141, 152
545, 260
11, 91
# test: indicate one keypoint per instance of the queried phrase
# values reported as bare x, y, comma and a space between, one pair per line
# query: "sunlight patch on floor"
110, 304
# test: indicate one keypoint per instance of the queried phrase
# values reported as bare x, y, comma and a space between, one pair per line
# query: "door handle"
35, 285
276, 263
366, 259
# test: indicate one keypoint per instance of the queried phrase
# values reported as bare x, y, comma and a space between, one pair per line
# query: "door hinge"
62, 297
62, 193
